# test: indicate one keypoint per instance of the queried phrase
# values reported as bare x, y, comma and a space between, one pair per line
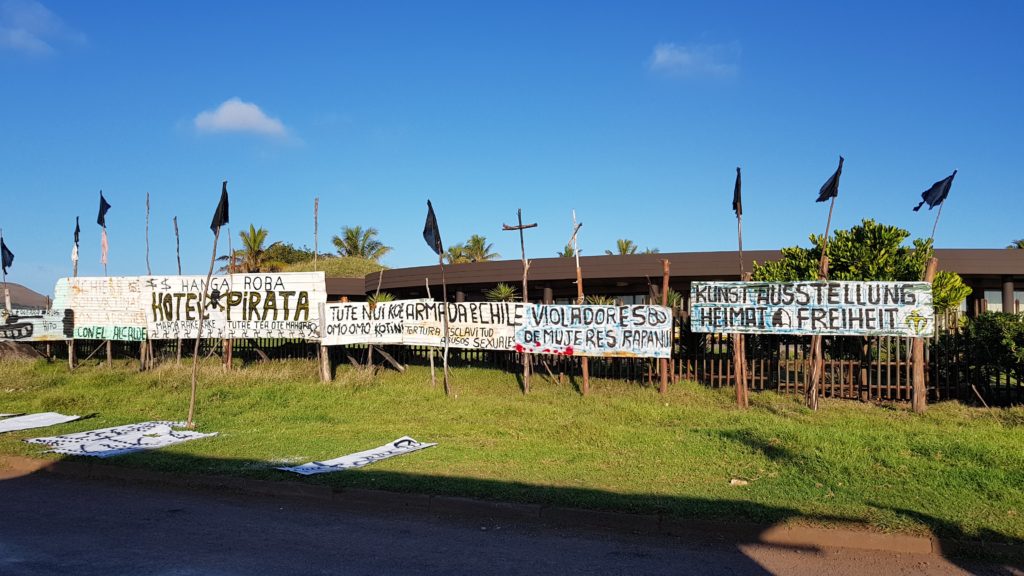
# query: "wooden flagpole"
316, 232
74, 273
177, 249
919, 391
7, 293
575, 241
145, 346
663, 364
817, 359
526, 300
739, 352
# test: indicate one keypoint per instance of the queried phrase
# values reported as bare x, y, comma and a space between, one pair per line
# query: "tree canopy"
360, 243
868, 251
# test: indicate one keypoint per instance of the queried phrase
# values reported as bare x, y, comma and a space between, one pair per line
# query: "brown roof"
991, 263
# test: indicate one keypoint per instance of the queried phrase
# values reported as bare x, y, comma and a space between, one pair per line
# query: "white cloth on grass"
118, 440
30, 421
403, 445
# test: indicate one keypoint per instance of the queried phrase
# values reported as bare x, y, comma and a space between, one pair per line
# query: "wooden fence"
876, 369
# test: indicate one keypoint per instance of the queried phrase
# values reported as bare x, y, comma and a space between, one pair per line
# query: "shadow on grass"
730, 523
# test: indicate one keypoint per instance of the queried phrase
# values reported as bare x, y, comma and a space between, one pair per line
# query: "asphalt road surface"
58, 525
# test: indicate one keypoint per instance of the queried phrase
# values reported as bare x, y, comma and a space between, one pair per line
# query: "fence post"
919, 395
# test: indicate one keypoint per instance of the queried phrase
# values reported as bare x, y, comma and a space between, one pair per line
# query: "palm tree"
1017, 244
456, 254
360, 243
478, 250
502, 293
624, 247
567, 252
651, 251
252, 256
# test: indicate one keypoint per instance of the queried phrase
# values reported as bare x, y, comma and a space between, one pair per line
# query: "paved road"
58, 525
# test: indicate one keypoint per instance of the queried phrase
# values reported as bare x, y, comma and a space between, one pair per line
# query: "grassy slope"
956, 470
338, 267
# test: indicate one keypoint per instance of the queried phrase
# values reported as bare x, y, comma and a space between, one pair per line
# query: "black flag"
77, 230
937, 193
737, 201
6, 256
220, 217
831, 187
104, 206
430, 232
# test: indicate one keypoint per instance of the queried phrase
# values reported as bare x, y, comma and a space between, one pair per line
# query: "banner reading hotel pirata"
283, 305
813, 307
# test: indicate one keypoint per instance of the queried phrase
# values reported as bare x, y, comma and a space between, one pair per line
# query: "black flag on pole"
831, 187
220, 217
937, 193
430, 232
104, 206
77, 230
737, 201
6, 256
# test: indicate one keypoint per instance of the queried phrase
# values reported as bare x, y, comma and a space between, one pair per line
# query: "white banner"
29, 421
104, 308
596, 330
270, 305
403, 445
36, 325
118, 440
813, 307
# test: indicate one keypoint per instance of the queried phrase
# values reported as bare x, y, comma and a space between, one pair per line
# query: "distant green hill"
338, 267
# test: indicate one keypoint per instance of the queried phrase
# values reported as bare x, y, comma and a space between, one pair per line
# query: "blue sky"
633, 113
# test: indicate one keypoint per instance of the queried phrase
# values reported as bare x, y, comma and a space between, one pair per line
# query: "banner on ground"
105, 308
36, 325
813, 307
597, 330
268, 305
106, 442
403, 445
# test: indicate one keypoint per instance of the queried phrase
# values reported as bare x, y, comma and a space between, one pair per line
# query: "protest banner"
265, 305
596, 330
105, 308
813, 307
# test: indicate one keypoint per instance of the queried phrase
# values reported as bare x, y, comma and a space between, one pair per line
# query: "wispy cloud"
716, 60
29, 27
236, 115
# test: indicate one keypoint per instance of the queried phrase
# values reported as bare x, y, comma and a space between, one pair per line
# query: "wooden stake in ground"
739, 355
145, 346
220, 217
574, 241
663, 363
432, 236
430, 349
74, 273
830, 190
177, 249
316, 231
526, 300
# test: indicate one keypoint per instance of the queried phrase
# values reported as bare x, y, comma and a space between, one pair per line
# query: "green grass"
956, 471
338, 267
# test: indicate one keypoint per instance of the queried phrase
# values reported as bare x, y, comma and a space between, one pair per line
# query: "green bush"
996, 341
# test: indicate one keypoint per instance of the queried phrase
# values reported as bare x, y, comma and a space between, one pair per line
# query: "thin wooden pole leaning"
739, 353
71, 341
817, 359
919, 392
177, 249
584, 361
444, 325
526, 300
664, 362
226, 344
430, 349
199, 333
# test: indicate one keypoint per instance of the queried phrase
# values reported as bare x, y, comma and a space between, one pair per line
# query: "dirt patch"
17, 351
